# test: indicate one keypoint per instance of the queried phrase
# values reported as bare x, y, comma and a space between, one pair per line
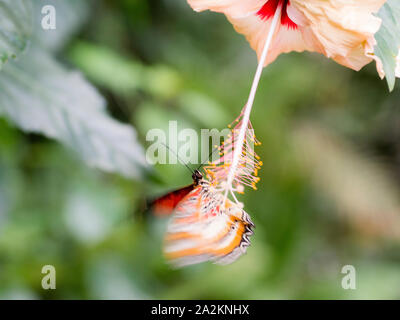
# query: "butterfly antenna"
177, 156
211, 153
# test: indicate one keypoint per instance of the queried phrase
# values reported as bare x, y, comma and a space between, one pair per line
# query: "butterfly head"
197, 177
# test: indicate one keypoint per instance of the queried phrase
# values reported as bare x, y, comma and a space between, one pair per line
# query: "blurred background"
329, 194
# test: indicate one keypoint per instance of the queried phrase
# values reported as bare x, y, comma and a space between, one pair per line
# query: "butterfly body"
166, 204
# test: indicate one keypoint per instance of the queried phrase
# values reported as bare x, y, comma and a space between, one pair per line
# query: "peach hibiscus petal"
285, 39
235, 8
339, 29
343, 27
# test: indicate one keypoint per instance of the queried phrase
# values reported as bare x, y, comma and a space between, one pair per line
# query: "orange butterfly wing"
202, 229
166, 204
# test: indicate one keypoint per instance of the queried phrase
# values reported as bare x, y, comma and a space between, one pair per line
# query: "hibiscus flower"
342, 30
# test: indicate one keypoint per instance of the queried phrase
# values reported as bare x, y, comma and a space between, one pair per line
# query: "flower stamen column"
247, 109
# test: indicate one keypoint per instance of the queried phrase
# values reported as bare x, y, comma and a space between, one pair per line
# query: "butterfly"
204, 225
167, 203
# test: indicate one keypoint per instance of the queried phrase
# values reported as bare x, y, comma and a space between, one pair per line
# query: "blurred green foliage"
156, 61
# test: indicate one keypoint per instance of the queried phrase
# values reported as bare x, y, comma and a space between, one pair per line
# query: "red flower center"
269, 8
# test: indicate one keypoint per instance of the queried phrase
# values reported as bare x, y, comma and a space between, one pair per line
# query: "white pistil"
246, 116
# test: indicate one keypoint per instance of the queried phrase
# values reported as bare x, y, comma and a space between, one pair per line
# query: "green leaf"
120, 74
15, 28
388, 39
39, 95
70, 15
106, 68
